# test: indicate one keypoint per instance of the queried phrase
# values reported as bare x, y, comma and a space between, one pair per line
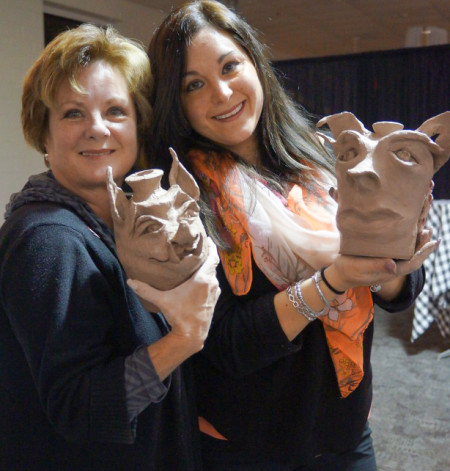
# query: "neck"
102, 211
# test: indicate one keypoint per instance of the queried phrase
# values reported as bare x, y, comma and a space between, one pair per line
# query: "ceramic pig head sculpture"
159, 236
383, 179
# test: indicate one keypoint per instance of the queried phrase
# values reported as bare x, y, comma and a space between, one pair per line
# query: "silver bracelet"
309, 313
293, 300
317, 279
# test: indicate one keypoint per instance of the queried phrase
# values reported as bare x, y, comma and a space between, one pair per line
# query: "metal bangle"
317, 279
309, 313
292, 299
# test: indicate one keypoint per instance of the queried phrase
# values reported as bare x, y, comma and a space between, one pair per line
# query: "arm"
188, 309
251, 332
70, 311
62, 311
246, 334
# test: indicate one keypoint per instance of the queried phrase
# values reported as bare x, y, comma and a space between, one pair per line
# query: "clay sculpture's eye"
405, 155
153, 226
348, 154
148, 225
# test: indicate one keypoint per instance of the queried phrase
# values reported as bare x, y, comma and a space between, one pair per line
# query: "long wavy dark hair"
288, 144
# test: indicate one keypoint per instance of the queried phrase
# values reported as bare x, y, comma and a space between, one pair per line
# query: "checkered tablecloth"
433, 303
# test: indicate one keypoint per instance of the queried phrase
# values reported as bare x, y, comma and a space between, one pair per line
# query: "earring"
46, 161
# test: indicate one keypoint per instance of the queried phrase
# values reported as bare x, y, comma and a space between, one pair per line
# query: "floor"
410, 418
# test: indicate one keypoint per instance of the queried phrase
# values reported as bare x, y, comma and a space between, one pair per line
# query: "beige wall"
21, 41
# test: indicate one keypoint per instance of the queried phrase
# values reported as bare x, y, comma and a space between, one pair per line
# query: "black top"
273, 399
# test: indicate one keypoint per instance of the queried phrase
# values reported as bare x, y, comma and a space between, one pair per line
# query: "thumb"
144, 291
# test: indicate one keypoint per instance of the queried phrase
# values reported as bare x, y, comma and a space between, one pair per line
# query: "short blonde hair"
64, 57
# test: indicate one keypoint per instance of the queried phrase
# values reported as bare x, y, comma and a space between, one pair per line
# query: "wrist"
189, 341
332, 281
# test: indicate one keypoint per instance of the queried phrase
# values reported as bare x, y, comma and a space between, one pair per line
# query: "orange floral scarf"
289, 240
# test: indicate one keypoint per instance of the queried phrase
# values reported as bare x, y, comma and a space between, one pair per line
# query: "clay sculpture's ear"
119, 203
438, 129
180, 176
344, 121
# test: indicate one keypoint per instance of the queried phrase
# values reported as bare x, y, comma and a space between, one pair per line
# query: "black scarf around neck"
45, 188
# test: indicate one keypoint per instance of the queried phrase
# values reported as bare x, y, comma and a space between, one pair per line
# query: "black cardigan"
67, 322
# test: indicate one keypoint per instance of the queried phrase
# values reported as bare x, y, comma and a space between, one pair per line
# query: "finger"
424, 237
427, 249
408, 266
143, 290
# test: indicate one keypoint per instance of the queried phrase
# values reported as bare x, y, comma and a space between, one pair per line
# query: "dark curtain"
407, 85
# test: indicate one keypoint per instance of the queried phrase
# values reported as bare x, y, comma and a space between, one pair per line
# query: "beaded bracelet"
309, 313
317, 279
335, 291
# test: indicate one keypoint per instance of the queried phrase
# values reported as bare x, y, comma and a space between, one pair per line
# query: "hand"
349, 271
425, 246
189, 307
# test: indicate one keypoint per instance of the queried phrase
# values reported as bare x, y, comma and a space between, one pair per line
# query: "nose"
222, 91
364, 176
97, 127
184, 240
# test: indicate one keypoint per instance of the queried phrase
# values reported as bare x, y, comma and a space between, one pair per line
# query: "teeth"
232, 113
94, 154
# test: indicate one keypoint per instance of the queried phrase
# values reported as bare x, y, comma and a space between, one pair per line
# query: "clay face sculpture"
383, 179
159, 236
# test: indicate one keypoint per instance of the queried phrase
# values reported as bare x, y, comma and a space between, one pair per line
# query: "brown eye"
405, 155
348, 155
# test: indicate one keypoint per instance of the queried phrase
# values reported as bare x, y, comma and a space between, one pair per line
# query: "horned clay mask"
383, 179
159, 236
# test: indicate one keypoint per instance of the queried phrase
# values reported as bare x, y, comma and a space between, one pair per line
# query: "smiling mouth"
231, 113
96, 153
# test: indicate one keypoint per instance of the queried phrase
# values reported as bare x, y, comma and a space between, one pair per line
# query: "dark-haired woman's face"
222, 95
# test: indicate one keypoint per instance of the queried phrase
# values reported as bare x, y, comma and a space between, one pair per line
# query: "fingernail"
391, 266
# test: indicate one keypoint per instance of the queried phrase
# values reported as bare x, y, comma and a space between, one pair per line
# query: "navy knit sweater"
67, 322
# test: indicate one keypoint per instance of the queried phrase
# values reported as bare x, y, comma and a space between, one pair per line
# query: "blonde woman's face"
89, 132
222, 95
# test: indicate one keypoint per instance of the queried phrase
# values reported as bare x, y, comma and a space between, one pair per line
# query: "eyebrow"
219, 60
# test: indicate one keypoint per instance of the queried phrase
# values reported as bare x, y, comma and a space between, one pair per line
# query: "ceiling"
317, 28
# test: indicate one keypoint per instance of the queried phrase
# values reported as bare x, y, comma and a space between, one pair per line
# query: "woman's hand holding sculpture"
189, 307
352, 271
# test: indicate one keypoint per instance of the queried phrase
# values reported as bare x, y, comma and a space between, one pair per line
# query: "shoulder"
47, 228
38, 214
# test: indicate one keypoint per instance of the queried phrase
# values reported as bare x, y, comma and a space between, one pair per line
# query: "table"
433, 303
